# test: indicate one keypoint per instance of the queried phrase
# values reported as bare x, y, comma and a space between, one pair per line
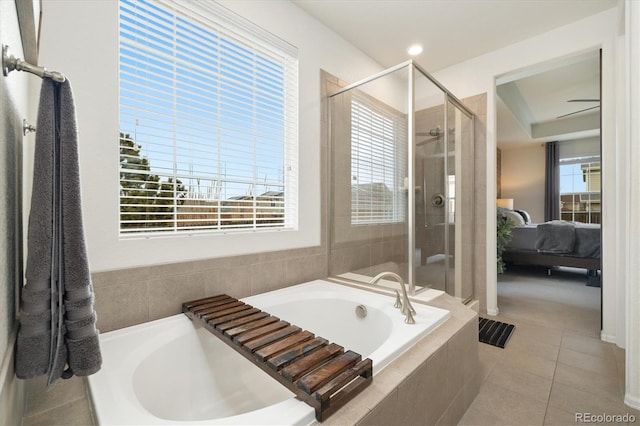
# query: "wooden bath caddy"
320, 373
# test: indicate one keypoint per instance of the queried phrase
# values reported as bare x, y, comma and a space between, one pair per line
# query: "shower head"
435, 133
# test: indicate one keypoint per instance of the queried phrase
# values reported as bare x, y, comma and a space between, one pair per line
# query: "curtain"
552, 182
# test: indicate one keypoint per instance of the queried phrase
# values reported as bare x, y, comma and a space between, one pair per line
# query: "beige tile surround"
133, 296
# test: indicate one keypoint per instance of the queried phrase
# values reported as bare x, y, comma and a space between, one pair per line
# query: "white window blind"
208, 121
378, 163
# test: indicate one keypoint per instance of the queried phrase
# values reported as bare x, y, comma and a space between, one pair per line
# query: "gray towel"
34, 337
57, 316
84, 356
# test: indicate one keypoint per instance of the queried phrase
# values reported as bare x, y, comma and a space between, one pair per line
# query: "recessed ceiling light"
414, 49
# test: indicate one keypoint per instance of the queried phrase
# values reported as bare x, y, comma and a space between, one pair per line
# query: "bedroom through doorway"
549, 189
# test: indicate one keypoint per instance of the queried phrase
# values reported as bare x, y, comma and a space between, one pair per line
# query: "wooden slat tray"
320, 373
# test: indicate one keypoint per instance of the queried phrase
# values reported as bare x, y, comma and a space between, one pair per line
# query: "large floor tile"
509, 407
573, 400
521, 382
557, 417
587, 362
525, 361
555, 362
476, 416
588, 345
536, 333
603, 385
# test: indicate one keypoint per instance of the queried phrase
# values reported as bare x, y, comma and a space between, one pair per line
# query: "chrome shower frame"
449, 98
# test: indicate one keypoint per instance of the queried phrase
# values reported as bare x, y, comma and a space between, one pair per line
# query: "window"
378, 158
208, 121
580, 189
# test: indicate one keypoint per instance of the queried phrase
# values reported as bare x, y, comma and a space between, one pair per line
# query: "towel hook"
10, 63
26, 127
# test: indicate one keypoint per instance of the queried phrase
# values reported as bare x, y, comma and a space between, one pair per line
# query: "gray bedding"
564, 239
556, 237
523, 237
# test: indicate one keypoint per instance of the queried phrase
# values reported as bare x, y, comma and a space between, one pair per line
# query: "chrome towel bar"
10, 63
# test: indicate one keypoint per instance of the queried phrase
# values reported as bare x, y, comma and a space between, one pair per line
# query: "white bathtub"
171, 371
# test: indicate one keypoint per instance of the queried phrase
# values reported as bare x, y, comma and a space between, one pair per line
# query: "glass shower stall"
401, 182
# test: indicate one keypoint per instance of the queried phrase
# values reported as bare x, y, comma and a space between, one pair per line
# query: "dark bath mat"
495, 333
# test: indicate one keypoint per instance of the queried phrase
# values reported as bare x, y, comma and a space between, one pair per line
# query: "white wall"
13, 108
522, 179
80, 38
631, 89
478, 75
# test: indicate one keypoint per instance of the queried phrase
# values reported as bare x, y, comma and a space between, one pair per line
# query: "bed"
557, 243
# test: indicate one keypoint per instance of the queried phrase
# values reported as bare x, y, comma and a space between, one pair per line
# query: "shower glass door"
401, 183
368, 186
430, 171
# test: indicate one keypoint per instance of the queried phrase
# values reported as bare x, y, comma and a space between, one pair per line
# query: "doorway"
556, 102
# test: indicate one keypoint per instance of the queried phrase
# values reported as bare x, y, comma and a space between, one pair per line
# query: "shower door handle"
424, 193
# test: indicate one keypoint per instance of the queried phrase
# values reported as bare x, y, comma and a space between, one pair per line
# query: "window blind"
208, 121
378, 163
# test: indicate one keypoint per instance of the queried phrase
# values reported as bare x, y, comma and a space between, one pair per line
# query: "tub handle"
398, 303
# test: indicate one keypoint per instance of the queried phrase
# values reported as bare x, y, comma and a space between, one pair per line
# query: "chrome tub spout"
405, 307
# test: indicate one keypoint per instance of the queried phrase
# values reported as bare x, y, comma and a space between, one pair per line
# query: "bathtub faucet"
405, 306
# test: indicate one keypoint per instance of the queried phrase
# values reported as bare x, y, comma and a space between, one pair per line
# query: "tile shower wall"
429, 169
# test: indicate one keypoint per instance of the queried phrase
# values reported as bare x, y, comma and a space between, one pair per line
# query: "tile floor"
555, 364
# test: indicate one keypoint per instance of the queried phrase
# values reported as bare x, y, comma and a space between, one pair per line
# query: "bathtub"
171, 371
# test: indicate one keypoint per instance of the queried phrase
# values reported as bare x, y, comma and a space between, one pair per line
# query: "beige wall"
523, 179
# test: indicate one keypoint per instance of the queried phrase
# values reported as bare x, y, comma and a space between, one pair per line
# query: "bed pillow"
525, 216
514, 217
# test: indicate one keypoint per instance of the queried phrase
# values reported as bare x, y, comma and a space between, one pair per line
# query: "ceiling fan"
582, 110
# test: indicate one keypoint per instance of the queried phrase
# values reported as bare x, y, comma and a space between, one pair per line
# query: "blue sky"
571, 179
197, 117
